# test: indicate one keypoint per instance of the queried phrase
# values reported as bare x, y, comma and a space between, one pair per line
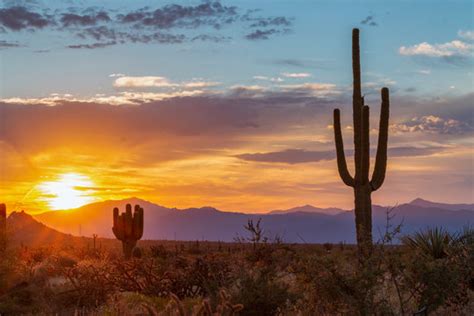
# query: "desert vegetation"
429, 271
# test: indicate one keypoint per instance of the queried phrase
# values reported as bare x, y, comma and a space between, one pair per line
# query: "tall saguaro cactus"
3, 227
128, 228
363, 187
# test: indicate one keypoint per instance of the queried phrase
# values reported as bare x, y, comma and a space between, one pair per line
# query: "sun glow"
70, 190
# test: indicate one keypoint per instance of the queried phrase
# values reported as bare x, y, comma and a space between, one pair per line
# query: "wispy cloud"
92, 46
468, 34
264, 34
158, 82
449, 49
369, 20
296, 74
141, 82
433, 124
316, 89
7, 44
297, 156
271, 79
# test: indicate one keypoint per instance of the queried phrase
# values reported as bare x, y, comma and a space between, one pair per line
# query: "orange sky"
233, 153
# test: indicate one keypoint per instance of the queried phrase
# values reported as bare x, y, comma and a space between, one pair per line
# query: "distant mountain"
452, 207
310, 209
304, 224
24, 229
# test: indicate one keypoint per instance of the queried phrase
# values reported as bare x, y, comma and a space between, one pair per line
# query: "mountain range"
306, 224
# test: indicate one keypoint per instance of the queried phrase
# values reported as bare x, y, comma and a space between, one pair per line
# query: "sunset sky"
228, 104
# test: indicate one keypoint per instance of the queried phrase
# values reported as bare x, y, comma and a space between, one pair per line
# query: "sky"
229, 104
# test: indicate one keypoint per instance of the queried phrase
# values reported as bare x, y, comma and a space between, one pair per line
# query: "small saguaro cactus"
3, 227
128, 228
363, 187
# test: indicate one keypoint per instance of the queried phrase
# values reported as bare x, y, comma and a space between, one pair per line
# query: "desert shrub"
440, 270
21, 299
159, 251
261, 293
433, 242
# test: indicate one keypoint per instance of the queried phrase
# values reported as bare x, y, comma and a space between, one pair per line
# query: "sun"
69, 190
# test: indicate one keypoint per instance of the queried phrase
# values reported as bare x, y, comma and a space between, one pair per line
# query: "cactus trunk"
3, 227
128, 228
363, 187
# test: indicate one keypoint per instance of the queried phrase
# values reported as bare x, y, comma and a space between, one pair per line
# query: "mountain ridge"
213, 224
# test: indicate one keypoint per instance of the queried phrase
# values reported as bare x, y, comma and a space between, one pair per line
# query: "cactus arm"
341, 159
116, 215
357, 103
128, 222
381, 157
118, 229
365, 157
3, 227
138, 223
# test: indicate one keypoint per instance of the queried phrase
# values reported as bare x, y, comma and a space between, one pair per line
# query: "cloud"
296, 74
449, 49
424, 71
316, 89
433, 124
92, 46
99, 33
268, 22
211, 38
468, 34
18, 18
211, 13
264, 34
6, 44
289, 156
369, 20
146, 25
71, 19
297, 156
140, 82
158, 82
271, 79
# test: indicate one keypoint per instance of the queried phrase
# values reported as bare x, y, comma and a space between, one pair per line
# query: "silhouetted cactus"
128, 228
363, 188
3, 227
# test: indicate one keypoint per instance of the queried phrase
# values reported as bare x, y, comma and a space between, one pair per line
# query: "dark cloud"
211, 38
110, 37
211, 13
145, 25
270, 22
289, 156
71, 19
296, 156
264, 34
303, 63
162, 38
369, 20
92, 46
408, 151
6, 44
19, 18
